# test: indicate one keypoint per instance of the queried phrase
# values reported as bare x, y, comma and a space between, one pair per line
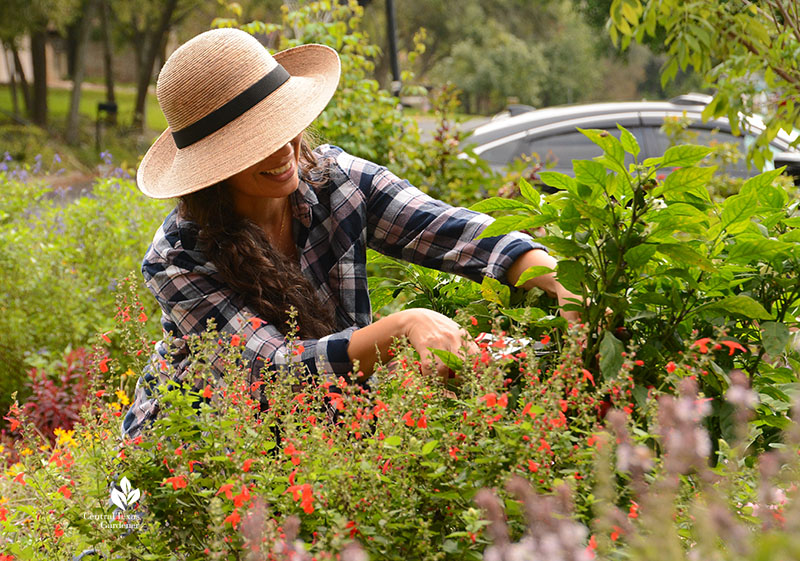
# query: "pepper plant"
661, 266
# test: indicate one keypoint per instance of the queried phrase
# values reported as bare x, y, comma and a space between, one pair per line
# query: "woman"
264, 223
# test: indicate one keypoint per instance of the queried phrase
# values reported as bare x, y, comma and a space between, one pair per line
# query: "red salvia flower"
226, 490
207, 392
247, 463
533, 466
233, 518
671, 367
236, 340
733, 346
66, 491
702, 344
178, 482
423, 422
408, 419
587, 376
242, 497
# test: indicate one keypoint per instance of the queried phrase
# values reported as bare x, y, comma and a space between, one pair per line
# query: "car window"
503, 153
562, 148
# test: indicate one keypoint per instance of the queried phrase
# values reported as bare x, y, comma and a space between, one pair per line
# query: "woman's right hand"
426, 329
423, 328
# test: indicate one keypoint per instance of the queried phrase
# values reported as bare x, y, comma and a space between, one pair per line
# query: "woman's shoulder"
174, 242
343, 167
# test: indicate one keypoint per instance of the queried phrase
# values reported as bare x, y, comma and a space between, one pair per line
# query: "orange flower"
490, 399
255, 323
733, 346
226, 490
66, 491
58, 532
207, 392
178, 482
533, 466
671, 366
242, 497
423, 422
587, 376
233, 518
247, 463
20, 478
408, 419
236, 340
14, 423
545, 339
702, 344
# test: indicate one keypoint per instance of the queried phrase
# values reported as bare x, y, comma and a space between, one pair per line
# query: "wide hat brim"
166, 171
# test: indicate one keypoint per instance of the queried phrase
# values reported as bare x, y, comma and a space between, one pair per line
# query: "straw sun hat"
230, 104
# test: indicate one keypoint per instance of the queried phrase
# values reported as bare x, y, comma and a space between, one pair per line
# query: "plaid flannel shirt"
362, 205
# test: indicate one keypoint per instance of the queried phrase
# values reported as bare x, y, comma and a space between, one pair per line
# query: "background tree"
746, 50
84, 24
34, 17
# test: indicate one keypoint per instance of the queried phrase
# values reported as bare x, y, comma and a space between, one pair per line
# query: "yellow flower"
128, 372
123, 397
66, 437
25, 452
2, 448
116, 405
44, 447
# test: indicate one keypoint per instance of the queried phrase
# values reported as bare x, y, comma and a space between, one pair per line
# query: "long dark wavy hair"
266, 280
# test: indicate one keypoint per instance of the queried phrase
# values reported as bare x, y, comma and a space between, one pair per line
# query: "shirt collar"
302, 200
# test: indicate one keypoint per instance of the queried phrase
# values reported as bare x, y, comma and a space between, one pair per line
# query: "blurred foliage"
747, 51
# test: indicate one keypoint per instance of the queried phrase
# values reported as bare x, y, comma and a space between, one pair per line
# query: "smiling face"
273, 177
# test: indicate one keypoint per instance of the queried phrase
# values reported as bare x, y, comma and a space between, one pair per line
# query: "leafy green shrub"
61, 256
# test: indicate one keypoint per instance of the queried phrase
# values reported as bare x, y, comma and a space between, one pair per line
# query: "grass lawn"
24, 143
58, 105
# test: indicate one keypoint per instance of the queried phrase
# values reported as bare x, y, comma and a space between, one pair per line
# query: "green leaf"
530, 193
571, 274
429, 447
737, 211
638, 256
755, 249
505, 224
774, 337
562, 246
692, 180
559, 181
612, 148
760, 181
684, 255
629, 143
495, 291
393, 441
589, 172
533, 272
610, 356
450, 360
499, 203
684, 156
739, 305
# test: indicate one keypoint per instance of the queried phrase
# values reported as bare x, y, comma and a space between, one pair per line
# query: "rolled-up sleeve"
407, 224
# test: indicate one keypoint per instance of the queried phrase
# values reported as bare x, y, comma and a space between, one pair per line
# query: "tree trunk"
150, 49
108, 66
23, 82
12, 82
39, 58
78, 70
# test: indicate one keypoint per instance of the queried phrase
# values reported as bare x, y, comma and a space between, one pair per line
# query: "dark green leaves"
571, 274
684, 155
774, 337
610, 355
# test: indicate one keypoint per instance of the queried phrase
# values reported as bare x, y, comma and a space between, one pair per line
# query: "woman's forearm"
535, 258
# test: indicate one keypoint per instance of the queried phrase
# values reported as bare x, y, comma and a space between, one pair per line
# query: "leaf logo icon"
126, 497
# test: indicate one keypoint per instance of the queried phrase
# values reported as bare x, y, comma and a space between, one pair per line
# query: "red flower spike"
226, 490
104, 364
255, 323
178, 482
733, 346
233, 518
408, 419
587, 376
702, 344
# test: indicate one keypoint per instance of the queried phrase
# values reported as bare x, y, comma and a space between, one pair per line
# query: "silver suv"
552, 133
